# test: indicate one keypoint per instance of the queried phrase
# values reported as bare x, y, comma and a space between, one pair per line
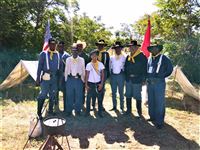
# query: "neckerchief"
51, 53
96, 66
100, 54
131, 58
74, 60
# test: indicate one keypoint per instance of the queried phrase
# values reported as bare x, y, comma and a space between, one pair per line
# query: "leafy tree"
89, 30
23, 21
176, 24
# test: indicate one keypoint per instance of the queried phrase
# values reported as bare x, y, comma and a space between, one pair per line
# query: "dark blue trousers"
156, 101
117, 81
93, 93
62, 88
47, 87
74, 94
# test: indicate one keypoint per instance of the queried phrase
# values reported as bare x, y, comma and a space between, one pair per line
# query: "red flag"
47, 36
146, 41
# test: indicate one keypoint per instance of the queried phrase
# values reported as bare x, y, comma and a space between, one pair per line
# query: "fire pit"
54, 125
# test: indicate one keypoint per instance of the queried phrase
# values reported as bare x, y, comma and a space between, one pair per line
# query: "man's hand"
87, 88
37, 82
100, 86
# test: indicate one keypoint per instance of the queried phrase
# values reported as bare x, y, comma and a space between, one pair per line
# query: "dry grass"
114, 131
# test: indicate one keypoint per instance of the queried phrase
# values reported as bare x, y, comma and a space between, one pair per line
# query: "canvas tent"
185, 84
20, 73
25, 68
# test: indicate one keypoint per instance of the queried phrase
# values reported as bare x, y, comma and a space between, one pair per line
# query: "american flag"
47, 36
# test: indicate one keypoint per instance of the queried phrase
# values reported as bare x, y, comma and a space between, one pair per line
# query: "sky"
114, 12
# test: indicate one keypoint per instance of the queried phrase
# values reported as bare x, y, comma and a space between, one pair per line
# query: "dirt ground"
113, 131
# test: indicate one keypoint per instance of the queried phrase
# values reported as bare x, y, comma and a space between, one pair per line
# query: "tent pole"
174, 79
21, 82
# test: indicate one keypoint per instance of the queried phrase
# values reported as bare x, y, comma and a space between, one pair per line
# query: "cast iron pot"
54, 125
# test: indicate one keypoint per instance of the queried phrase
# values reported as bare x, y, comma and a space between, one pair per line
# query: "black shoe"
113, 109
139, 117
159, 126
93, 109
150, 120
103, 109
127, 113
78, 113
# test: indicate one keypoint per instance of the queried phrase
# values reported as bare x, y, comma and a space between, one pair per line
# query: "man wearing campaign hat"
49, 70
80, 45
135, 72
104, 58
117, 77
159, 67
74, 77
63, 56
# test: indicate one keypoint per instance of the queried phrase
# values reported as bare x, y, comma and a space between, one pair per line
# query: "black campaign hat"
117, 44
61, 43
159, 47
101, 42
52, 41
133, 43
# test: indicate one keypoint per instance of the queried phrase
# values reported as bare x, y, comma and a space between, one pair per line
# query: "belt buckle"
76, 77
131, 75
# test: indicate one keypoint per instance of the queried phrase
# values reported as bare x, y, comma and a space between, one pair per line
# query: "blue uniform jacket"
137, 69
53, 64
166, 68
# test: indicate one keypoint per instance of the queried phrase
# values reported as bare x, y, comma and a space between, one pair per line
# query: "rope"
34, 127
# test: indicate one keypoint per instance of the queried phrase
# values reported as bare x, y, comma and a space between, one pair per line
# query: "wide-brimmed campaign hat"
73, 47
94, 52
117, 44
152, 47
52, 41
133, 43
101, 42
82, 43
61, 43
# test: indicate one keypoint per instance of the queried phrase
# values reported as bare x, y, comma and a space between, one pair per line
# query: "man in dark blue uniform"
63, 56
47, 76
104, 58
135, 73
159, 67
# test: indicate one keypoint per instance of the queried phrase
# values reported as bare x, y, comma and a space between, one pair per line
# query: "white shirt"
116, 65
75, 67
94, 77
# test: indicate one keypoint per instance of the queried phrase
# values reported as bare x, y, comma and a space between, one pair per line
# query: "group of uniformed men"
78, 73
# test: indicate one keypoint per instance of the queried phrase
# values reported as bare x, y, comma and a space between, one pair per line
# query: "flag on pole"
47, 36
146, 41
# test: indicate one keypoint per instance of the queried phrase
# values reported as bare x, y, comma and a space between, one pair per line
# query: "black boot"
39, 107
51, 105
128, 106
139, 107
